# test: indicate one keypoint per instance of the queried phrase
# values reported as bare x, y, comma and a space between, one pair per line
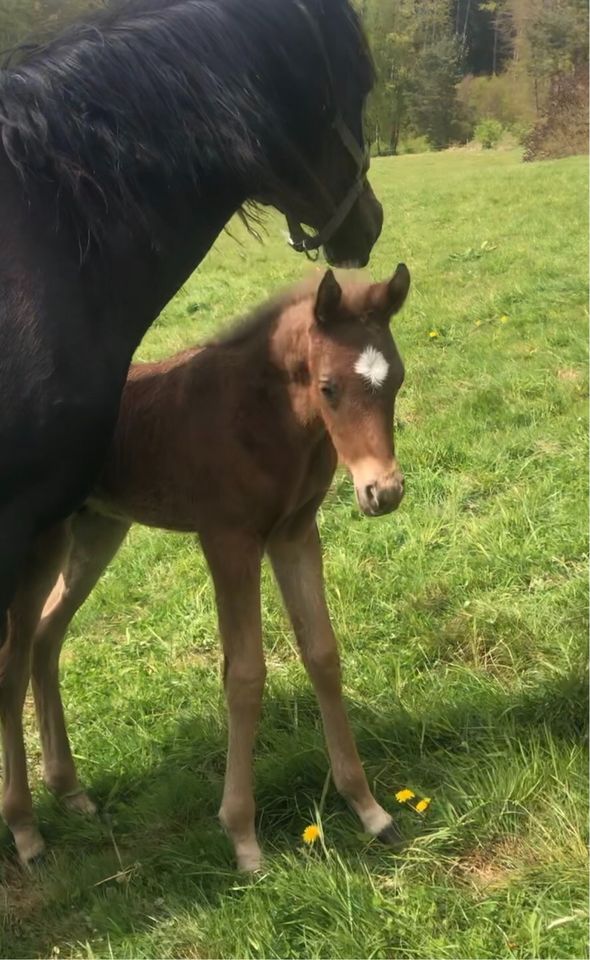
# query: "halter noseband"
303, 242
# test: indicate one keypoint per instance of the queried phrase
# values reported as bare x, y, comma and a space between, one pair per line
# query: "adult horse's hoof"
30, 845
391, 836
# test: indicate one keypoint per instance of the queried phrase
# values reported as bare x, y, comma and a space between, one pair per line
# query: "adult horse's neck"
143, 133
132, 281
146, 130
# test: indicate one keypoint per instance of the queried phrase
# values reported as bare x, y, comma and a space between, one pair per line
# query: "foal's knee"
244, 682
323, 664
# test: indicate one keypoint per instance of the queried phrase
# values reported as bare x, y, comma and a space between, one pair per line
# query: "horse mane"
239, 331
154, 92
262, 317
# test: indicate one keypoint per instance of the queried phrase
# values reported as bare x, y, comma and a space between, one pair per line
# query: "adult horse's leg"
234, 561
94, 540
297, 565
37, 576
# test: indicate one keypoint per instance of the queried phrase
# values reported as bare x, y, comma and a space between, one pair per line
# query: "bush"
522, 131
414, 144
488, 133
508, 98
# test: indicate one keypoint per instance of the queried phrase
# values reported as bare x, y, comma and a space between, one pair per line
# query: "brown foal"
238, 441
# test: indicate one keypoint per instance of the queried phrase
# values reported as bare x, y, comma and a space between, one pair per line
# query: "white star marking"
372, 367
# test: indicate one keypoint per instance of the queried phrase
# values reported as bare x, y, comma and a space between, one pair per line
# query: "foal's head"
356, 372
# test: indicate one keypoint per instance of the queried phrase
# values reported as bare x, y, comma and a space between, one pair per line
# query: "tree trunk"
495, 46
394, 138
465, 25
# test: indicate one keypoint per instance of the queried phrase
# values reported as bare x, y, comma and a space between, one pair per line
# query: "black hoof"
392, 837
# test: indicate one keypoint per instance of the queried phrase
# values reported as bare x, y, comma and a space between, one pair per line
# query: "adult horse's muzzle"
348, 244
351, 245
352, 229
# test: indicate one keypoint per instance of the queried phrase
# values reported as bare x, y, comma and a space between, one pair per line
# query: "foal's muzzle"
382, 495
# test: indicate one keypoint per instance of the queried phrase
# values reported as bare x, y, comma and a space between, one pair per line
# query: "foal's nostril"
371, 494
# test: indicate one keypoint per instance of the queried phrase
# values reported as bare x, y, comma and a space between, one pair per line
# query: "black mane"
180, 92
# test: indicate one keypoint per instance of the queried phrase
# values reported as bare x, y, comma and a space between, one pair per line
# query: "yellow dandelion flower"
402, 796
433, 334
478, 323
310, 834
422, 805
504, 318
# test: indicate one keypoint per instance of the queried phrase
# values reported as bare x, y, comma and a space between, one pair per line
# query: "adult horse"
126, 144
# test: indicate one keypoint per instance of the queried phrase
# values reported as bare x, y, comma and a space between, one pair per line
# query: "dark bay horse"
125, 146
238, 442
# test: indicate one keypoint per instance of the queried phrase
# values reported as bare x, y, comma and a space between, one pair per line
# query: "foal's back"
208, 436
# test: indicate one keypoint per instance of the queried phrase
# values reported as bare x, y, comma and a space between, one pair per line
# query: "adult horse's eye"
329, 390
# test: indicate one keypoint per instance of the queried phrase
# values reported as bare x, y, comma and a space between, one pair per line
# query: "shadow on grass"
156, 849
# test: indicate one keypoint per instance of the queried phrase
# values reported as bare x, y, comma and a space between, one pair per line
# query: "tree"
390, 30
433, 104
411, 39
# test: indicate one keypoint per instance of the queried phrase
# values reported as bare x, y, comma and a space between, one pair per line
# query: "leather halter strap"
306, 243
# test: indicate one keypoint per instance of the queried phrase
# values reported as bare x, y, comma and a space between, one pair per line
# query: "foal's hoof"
249, 860
80, 802
30, 845
391, 836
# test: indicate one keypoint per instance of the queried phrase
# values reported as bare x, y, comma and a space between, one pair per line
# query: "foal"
238, 441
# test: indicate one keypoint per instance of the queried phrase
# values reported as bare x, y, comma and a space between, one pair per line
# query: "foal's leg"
298, 568
94, 541
15, 662
234, 562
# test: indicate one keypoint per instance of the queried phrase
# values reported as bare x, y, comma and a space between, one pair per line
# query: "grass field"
462, 621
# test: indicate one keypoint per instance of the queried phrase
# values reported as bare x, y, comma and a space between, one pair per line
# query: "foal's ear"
388, 298
327, 298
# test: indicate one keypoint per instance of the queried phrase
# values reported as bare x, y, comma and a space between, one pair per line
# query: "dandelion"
311, 834
402, 796
433, 334
422, 805
504, 318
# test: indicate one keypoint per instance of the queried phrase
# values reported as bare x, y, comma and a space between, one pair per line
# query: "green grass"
462, 621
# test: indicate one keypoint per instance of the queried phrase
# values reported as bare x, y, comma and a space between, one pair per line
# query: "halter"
303, 242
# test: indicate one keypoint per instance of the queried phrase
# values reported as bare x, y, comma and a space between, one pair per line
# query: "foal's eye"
328, 390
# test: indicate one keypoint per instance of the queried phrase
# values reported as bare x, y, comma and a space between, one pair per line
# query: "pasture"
461, 618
